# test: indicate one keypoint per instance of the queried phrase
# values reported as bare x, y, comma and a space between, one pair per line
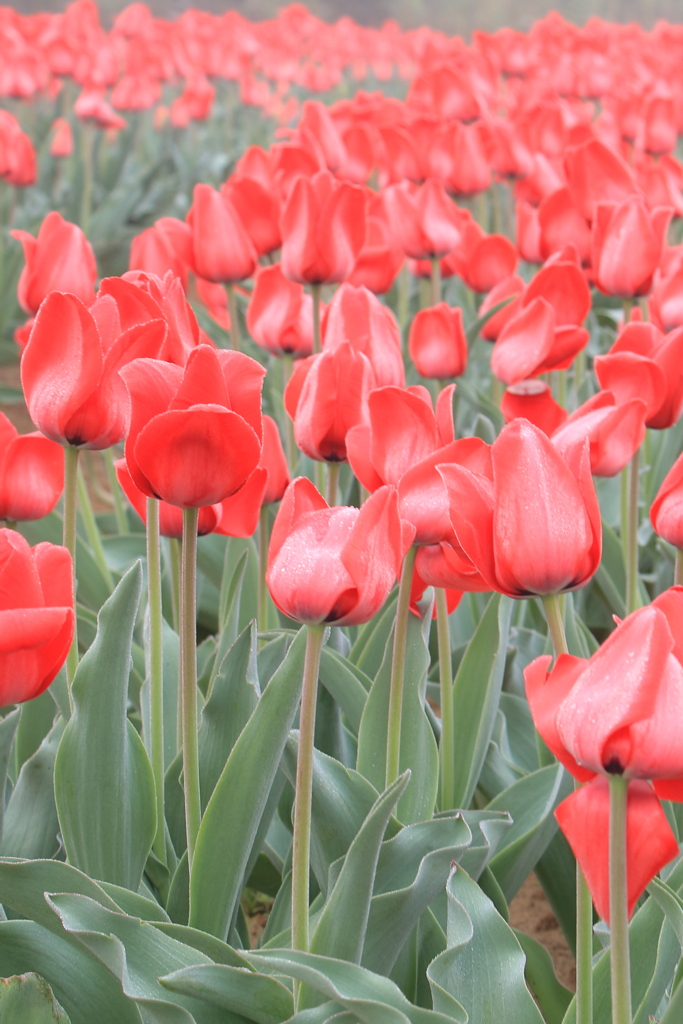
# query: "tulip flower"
357, 316
323, 229
69, 369
280, 315
666, 513
438, 343
18, 164
62, 143
533, 525
36, 615
326, 396
595, 175
222, 250
509, 288
533, 400
31, 473
616, 714
481, 260
258, 209
380, 259
316, 123
426, 224
615, 431
274, 462
167, 245
627, 245
59, 259
195, 434
561, 221
528, 236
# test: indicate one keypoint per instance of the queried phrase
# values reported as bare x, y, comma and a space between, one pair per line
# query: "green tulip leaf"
346, 683
8, 728
368, 651
104, 785
552, 997
256, 996
28, 999
31, 825
36, 720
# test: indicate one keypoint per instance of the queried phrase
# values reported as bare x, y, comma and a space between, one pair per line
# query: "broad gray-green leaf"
530, 803
104, 785
28, 999
488, 834
539, 971
340, 931
368, 651
231, 701
419, 751
231, 589
476, 693
37, 718
256, 996
8, 728
171, 655
483, 967
347, 684
370, 997
232, 817
31, 823
85, 988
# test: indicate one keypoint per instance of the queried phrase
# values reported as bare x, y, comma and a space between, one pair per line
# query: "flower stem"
552, 606
301, 846
175, 550
398, 668
263, 566
678, 571
447, 745
88, 145
119, 508
332, 481
188, 678
156, 662
69, 540
92, 529
317, 344
436, 281
234, 321
403, 297
632, 595
290, 442
618, 902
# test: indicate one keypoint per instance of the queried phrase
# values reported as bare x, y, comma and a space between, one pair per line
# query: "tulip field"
341, 488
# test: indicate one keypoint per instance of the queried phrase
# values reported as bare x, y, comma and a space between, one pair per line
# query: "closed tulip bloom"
31, 473
357, 316
167, 245
380, 259
258, 209
666, 301
561, 221
195, 434
280, 314
59, 259
335, 565
596, 174
36, 615
627, 245
531, 343
315, 121
62, 143
533, 525
222, 250
326, 396
481, 260
615, 431
69, 369
437, 342
533, 400
509, 288
666, 513
618, 713
644, 363
323, 229
528, 232
425, 222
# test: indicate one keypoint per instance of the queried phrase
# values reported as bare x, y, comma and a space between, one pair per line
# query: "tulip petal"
545, 692
32, 478
373, 554
240, 512
404, 431
524, 343
471, 510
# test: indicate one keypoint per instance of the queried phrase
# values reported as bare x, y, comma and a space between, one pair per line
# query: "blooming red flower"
615, 431
627, 245
280, 314
62, 143
424, 221
666, 513
222, 250
357, 316
59, 259
532, 400
438, 343
31, 473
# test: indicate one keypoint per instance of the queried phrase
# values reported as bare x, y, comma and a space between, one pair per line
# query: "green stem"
301, 845
618, 902
69, 540
234, 320
398, 669
579, 374
447, 745
290, 442
188, 679
332, 482
88, 143
436, 281
481, 207
119, 508
263, 566
403, 297
632, 595
175, 549
317, 344
562, 388
678, 571
156, 662
552, 606
92, 529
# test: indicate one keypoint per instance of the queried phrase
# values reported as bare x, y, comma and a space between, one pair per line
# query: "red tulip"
509, 288
222, 250
666, 301
666, 513
380, 259
618, 713
280, 315
561, 221
31, 473
62, 143
18, 165
425, 222
355, 315
316, 123
167, 245
258, 209
36, 615
59, 259
531, 343
69, 369
334, 565
437, 342
533, 400
595, 175
323, 229
627, 245
615, 431
326, 396
644, 363
528, 235
533, 525
195, 435
482, 260
458, 158
274, 462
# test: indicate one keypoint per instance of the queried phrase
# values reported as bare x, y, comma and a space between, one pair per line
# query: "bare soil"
531, 913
